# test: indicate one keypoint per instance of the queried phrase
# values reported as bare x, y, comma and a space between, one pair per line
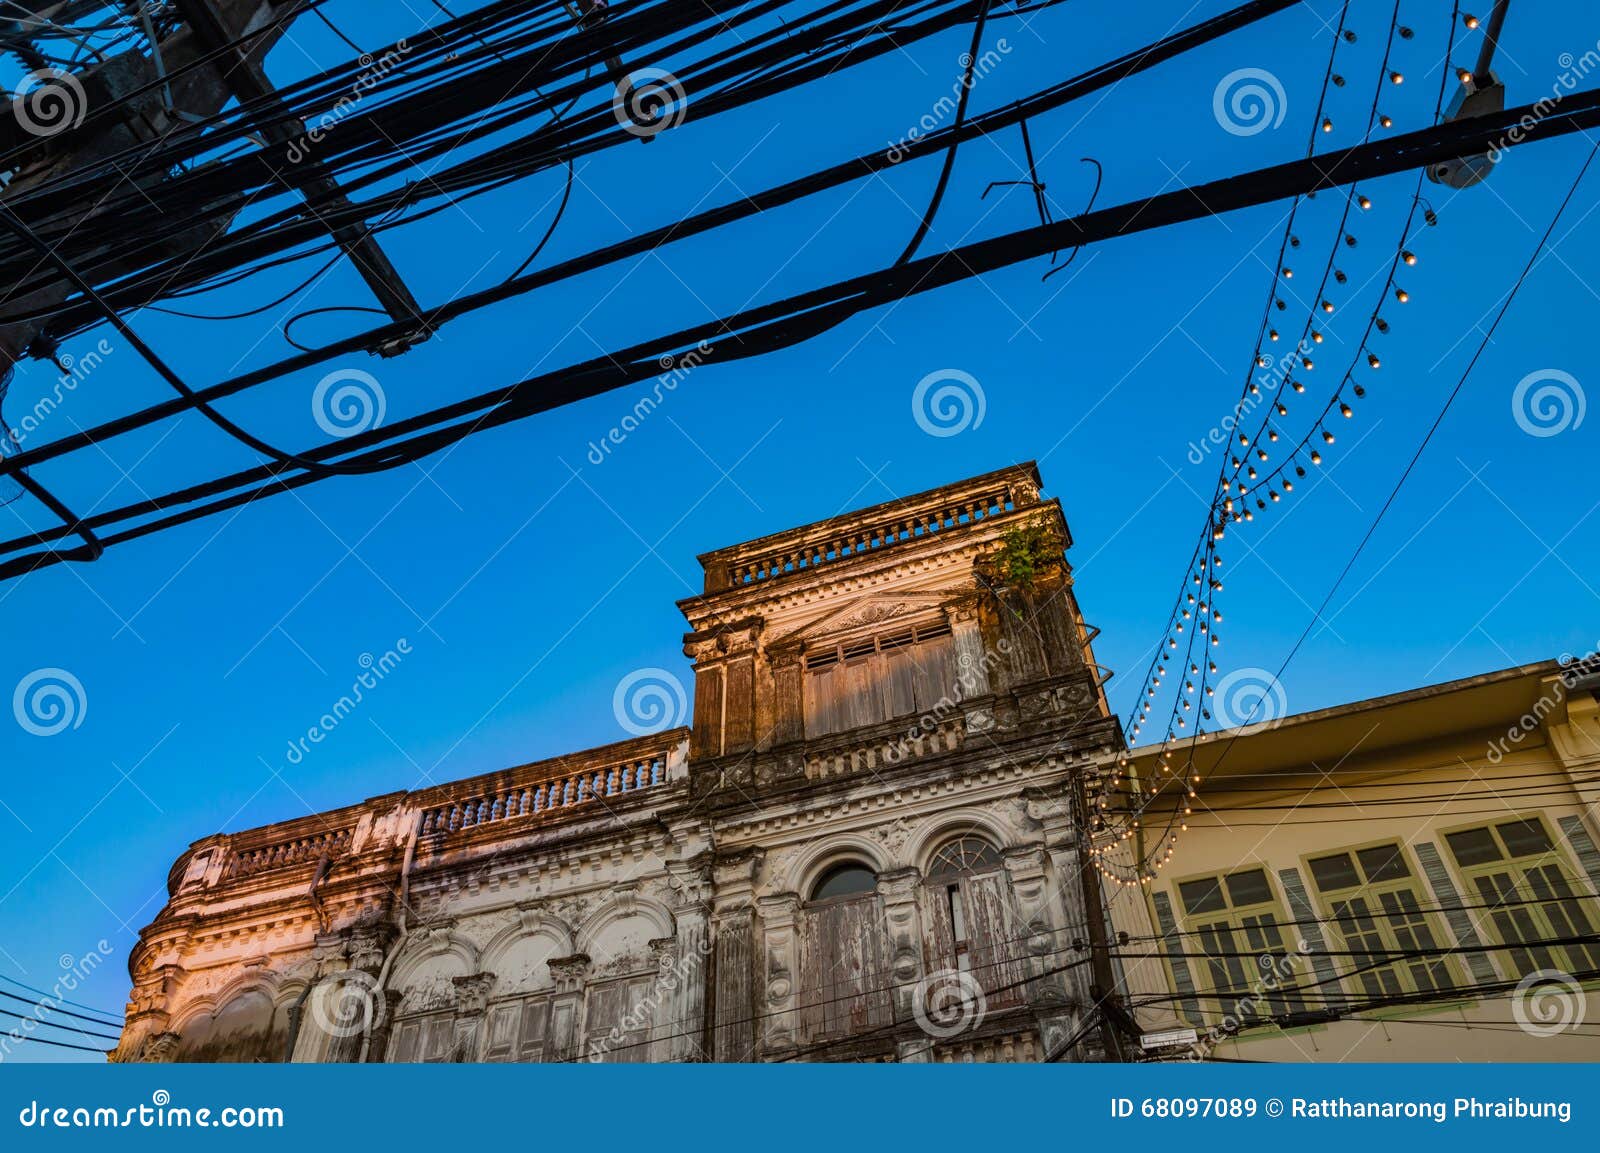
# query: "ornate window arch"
844, 951
972, 927
847, 878
967, 853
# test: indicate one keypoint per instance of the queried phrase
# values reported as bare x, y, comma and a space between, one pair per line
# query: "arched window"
849, 879
964, 855
972, 925
844, 955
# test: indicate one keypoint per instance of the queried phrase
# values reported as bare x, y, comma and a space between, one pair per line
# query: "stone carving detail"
472, 993
893, 836
570, 972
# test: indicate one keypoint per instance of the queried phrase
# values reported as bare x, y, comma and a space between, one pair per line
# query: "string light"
1271, 487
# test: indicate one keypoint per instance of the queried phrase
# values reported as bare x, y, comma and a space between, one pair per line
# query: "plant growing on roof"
1025, 553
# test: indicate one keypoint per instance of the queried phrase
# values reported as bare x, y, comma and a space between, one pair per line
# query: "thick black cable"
966, 81
787, 321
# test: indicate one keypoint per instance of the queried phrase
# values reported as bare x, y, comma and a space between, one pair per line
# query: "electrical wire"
796, 318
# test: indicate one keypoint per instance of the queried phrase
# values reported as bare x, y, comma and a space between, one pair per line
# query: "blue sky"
528, 581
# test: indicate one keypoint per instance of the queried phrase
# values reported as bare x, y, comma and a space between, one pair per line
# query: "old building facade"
871, 843
863, 847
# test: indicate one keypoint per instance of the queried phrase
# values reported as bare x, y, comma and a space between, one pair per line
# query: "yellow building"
1345, 873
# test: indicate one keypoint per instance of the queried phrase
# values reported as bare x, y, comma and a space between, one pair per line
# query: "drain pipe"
324, 865
400, 923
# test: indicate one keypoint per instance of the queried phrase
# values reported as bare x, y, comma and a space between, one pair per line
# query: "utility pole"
1103, 984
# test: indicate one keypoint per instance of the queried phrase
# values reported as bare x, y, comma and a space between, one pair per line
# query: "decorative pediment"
868, 612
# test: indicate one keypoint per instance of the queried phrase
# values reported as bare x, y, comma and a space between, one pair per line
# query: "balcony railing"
564, 791
281, 854
907, 739
871, 529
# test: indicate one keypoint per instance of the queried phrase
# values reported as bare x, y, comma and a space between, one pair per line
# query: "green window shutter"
1583, 845
1180, 964
1310, 931
1445, 896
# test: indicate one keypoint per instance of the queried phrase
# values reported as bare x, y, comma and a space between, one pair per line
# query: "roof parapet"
871, 529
